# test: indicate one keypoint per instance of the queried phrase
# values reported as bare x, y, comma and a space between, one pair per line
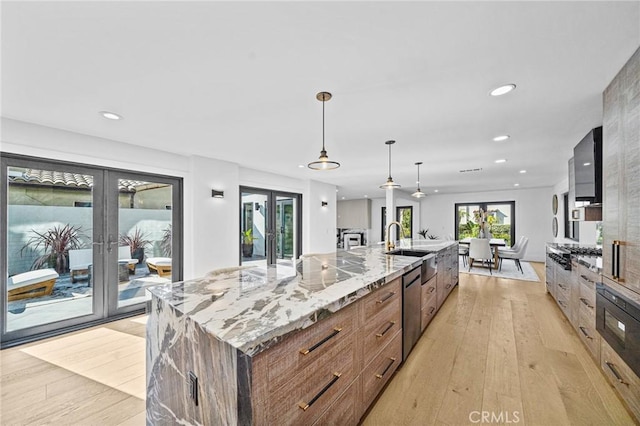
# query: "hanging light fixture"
323, 162
418, 193
390, 183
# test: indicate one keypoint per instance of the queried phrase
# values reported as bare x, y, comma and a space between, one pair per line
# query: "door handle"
110, 243
99, 244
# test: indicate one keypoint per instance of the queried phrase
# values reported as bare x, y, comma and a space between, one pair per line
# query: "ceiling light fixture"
516, 184
418, 193
503, 90
523, 171
435, 190
586, 164
501, 160
323, 162
501, 138
389, 184
110, 115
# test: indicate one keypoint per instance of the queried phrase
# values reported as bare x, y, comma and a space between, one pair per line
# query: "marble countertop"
253, 308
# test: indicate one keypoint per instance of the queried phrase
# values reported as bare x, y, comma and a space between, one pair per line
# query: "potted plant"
136, 242
165, 242
56, 243
247, 243
423, 233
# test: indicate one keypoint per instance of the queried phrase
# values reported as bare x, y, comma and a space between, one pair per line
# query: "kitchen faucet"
389, 245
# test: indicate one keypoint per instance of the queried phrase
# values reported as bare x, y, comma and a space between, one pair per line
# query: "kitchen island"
314, 343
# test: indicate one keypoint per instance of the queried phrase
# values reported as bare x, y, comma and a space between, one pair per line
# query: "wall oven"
618, 322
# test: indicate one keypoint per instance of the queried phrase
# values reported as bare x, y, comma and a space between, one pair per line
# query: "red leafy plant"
55, 243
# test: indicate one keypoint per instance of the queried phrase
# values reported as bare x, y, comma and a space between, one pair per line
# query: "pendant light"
323, 162
418, 193
390, 183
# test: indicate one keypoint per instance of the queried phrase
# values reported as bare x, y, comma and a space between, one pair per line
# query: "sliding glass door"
499, 218
270, 227
81, 243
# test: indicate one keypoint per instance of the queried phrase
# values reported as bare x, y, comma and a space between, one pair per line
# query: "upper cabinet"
585, 178
354, 214
621, 154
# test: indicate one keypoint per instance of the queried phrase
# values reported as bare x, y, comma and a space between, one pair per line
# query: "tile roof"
77, 180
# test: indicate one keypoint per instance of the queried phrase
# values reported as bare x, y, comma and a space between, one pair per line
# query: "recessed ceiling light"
523, 171
435, 190
343, 198
365, 195
501, 138
110, 115
503, 90
586, 164
301, 166
501, 160
516, 184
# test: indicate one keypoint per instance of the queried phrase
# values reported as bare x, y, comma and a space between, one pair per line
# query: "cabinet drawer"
623, 379
428, 290
306, 349
343, 410
380, 329
429, 310
588, 309
380, 299
377, 373
307, 395
586, 329
587, 290
563, 302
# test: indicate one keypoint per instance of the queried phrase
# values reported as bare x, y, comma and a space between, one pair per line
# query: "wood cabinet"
621, 177
623, 379
444, 279
354, 214
429, 304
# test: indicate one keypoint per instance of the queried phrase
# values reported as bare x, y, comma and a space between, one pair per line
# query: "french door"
270, 227
79, 243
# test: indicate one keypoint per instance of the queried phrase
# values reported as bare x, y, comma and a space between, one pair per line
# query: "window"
499, 218
404, 215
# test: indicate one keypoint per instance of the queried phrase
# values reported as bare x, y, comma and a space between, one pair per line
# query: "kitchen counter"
252, 308
209, 339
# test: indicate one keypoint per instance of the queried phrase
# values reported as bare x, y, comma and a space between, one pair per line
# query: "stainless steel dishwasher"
411, 299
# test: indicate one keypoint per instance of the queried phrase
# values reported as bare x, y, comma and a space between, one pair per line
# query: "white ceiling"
237, 81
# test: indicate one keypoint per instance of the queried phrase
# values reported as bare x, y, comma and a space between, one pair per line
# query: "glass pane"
144, 239
49, 246
404, 216
499, 221
285, 226
468, 221
253, 231
615, 326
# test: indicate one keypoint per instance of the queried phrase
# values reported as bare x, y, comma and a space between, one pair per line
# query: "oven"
618, 322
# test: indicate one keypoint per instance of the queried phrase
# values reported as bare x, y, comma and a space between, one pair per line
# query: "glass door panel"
254, 231
468, 221
51, 247
144, 238
499, 218
285, 226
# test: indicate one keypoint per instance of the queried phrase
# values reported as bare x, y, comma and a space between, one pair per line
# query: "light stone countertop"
253, 308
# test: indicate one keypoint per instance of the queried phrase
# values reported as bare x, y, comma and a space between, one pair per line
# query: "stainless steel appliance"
411, 300
618, 322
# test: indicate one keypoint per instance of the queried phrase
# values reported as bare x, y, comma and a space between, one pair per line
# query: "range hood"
588, 167
585, 178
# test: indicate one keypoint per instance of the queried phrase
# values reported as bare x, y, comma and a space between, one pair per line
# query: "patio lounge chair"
81, 259
160, 265
35, 283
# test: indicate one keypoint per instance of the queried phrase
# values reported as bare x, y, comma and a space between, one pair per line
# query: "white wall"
533, 215
211, 225
587, 232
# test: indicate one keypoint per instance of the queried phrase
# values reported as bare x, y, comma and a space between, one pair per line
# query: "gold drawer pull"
391, 324
584, 331
387, 297
305, 405
380, 376
615, 373
586, 303
336, 330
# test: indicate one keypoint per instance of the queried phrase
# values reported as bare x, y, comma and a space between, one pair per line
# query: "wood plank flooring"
497, 346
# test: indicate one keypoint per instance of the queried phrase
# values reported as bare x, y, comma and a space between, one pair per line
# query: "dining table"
494, 243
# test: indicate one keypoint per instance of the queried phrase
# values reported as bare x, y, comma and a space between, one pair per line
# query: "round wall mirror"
554, 204
554, 227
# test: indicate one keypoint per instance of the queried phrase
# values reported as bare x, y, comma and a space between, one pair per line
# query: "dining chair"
479, 249
514, 247
516, 255
463, 250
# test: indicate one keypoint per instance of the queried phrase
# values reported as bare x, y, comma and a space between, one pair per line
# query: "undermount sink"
403, 252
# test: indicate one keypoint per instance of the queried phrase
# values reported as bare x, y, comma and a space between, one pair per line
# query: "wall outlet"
193, 387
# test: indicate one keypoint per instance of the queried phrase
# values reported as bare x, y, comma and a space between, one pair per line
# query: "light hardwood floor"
497, 346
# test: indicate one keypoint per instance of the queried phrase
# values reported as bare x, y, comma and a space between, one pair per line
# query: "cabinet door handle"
387, 297
620, 279
615, 373
380, 376
321, 342
586, 303
306, 405
584, 331
584, 277
391, 324
613, 260
431, 310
